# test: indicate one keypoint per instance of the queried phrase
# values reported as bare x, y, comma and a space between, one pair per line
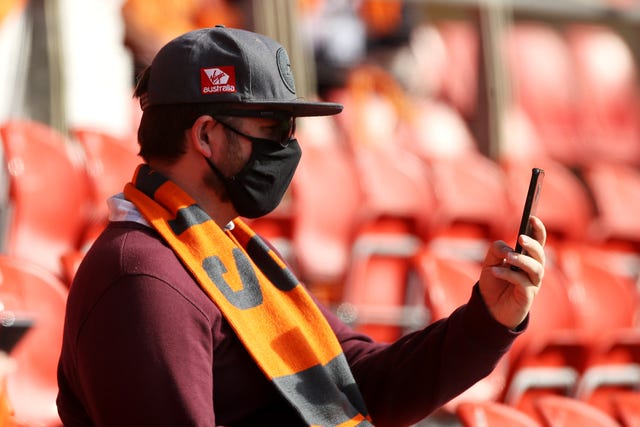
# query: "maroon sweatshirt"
144, 345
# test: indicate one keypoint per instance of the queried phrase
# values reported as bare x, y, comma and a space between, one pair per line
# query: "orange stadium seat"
626, 405
446, 283
377, 296
616, 190
50, 196
548, 357
385, 237
494, 414
394, 181
277, 228
472, 206
565, 205
560, 411
327, 196
395, 207
608, 93
546, 93
606, 305
28, 290
460, 85
111, 162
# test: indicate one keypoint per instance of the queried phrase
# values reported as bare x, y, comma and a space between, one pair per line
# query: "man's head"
226, 98
226, 66
211, 71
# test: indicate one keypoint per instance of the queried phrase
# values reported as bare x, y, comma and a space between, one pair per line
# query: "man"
180, 315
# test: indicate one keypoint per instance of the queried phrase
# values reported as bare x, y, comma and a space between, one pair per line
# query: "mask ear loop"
212, 165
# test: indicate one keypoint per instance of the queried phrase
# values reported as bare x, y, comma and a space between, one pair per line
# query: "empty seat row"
550, 411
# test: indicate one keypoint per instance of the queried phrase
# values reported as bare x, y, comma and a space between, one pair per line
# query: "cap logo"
284, 67
218, 80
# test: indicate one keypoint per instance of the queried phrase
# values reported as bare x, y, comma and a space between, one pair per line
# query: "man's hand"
508, 293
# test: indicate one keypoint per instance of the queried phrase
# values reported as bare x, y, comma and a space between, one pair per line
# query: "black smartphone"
530, 205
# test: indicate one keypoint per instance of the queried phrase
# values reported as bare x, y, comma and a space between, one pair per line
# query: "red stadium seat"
327, 196
377, 295
470, 189
375, 122
548, 357
460, 85
559, 411
50, 194
28, 290
603, 301
616, 190
111, 162
494, 414
546, 93
626, 406
606, 305
394, 209
565, 205
608, 94
277, 228
446, 283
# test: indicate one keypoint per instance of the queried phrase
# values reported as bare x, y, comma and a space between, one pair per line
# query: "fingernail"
525, 238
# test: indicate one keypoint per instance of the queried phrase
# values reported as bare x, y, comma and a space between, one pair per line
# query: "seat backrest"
548, 356
469, 187
493, 414
603, 300
561, 411
615, 188
447, 281
375, 120
553, 320
462, 42
50, 194
607, 84
376, 286
111, 162
626, 406
547, 94
565, 206
27, 290
326, 198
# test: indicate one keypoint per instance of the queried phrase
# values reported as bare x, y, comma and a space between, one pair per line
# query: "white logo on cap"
217, 76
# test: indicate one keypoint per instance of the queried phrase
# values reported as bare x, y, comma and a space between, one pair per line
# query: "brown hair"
161, 134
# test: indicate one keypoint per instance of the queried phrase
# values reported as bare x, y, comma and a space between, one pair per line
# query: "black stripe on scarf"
187, 217
148, 181
282, 278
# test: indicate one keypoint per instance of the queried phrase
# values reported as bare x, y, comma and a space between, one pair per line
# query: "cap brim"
302, 108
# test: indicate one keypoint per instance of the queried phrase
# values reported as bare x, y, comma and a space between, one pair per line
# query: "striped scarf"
262, 300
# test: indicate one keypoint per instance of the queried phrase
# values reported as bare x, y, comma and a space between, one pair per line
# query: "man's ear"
200, 135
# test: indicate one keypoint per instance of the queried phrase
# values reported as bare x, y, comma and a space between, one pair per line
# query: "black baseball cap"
228, 66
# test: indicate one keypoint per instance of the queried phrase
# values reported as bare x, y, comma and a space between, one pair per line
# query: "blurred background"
449, 104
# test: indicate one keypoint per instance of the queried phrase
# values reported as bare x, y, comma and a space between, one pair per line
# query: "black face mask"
259, 187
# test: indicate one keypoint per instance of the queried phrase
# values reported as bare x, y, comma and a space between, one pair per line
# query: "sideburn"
230, 155
212, 181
